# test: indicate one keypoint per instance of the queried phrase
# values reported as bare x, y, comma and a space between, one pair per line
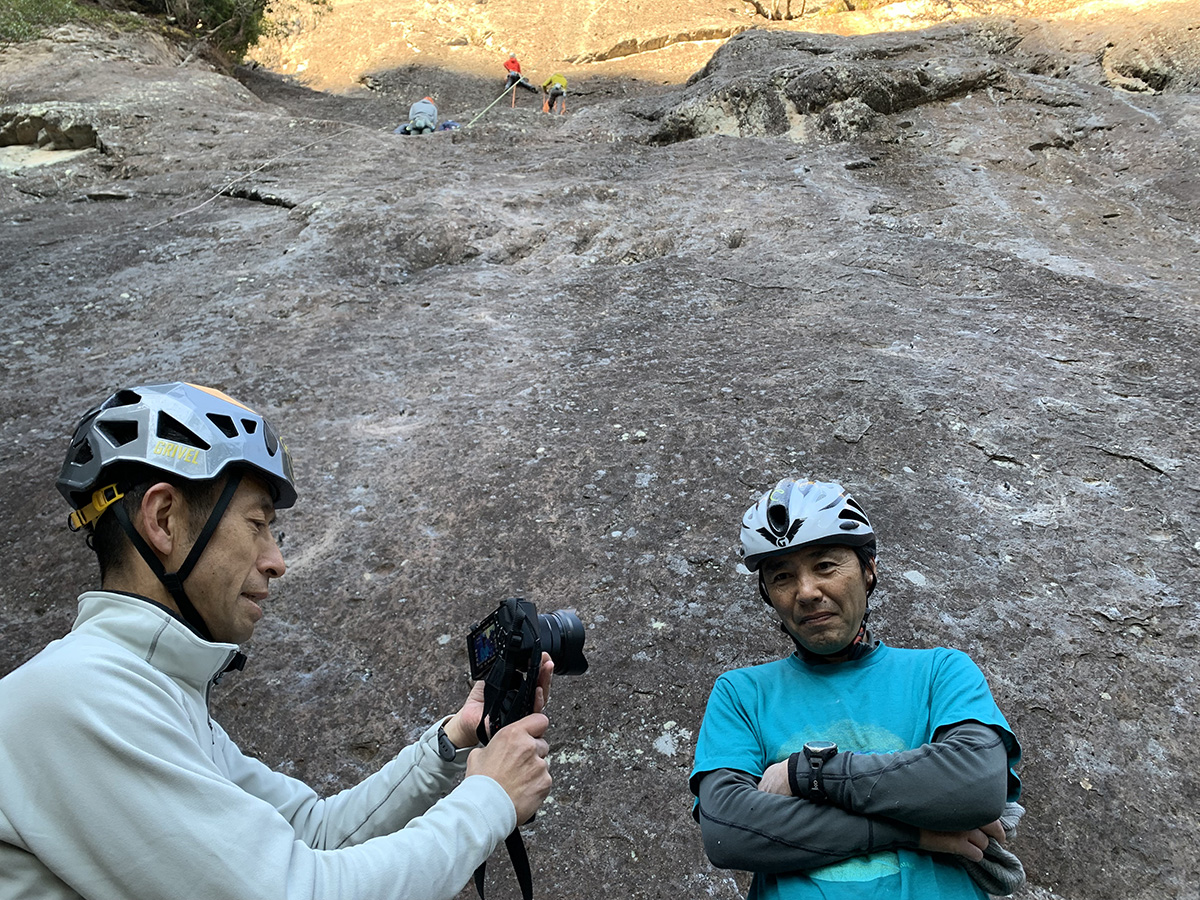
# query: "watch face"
821, 749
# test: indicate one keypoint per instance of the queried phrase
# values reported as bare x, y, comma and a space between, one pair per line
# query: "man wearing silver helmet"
115, 781
850, 769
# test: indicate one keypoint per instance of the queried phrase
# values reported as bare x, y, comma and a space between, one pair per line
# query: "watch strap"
815, 785
795, 781
812, 784
445, 746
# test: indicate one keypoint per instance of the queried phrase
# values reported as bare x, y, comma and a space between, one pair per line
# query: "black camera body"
505, 650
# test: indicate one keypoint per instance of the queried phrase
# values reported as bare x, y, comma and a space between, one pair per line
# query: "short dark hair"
866, 559
108, 539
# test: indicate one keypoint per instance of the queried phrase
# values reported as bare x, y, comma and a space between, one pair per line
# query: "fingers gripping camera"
505, 650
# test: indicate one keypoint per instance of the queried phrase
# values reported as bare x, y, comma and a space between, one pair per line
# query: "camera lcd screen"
481, 646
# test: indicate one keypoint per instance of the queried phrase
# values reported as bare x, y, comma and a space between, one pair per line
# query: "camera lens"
561, 633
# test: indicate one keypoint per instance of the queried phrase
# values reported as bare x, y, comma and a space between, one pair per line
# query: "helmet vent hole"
171, 429
84, 454
224, 423
121, 398
777, 518
852, 518
270, 439
250, 425
118, 433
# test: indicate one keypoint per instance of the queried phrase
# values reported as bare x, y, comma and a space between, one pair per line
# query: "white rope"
503, 94
221, 191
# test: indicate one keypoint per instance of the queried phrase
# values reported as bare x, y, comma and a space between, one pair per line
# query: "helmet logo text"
782, 540
177, 451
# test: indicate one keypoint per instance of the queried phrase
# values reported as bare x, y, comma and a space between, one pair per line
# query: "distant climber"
422, 117
554, 89
513, 67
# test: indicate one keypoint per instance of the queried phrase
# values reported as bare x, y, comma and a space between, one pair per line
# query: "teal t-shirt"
890, 700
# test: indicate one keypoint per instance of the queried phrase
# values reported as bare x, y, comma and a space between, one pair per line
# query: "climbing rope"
221, 191
489, 106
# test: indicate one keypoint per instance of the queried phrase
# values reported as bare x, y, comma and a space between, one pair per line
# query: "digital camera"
505, 650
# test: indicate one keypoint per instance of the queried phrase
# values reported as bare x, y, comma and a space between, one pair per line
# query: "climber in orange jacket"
515, 78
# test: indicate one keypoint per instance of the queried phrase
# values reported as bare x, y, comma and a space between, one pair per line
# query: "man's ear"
163, 521
871, 578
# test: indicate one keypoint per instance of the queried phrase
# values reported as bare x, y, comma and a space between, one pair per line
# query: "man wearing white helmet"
850, 769
117, 784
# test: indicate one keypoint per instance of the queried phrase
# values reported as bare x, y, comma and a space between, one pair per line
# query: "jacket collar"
154, 634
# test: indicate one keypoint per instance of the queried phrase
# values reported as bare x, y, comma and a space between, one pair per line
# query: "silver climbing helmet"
794, 514
190, 431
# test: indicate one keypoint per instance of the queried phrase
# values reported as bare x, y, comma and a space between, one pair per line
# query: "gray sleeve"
745, 828
384, 802
956, 783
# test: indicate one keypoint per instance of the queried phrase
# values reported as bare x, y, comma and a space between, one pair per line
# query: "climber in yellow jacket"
554, 89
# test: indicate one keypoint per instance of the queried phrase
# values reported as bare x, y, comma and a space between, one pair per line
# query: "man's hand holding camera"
515, 756
513, 654
462, 727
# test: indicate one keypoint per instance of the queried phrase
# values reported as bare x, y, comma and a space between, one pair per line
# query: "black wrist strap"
446, 747
520, 861
795, 782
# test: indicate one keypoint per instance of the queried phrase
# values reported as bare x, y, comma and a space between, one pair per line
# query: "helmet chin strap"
856, 649
173, 581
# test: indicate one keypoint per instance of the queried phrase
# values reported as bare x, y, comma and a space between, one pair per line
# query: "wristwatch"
446, 748
816, 754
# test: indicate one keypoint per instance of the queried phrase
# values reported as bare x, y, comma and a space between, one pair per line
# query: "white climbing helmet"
794, 514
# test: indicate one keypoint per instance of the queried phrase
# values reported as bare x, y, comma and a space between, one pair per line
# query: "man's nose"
807, 588
272, 564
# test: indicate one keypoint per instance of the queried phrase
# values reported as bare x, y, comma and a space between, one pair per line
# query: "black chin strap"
173, 581
859, 647
856, 649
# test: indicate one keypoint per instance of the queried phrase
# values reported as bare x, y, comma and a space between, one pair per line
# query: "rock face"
49, 129
557, 356
333, 44
766, 85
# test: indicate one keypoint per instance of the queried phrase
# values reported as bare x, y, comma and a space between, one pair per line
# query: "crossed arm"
942, 797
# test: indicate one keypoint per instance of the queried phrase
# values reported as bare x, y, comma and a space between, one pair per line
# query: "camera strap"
520, 861
508, 692
508, 695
